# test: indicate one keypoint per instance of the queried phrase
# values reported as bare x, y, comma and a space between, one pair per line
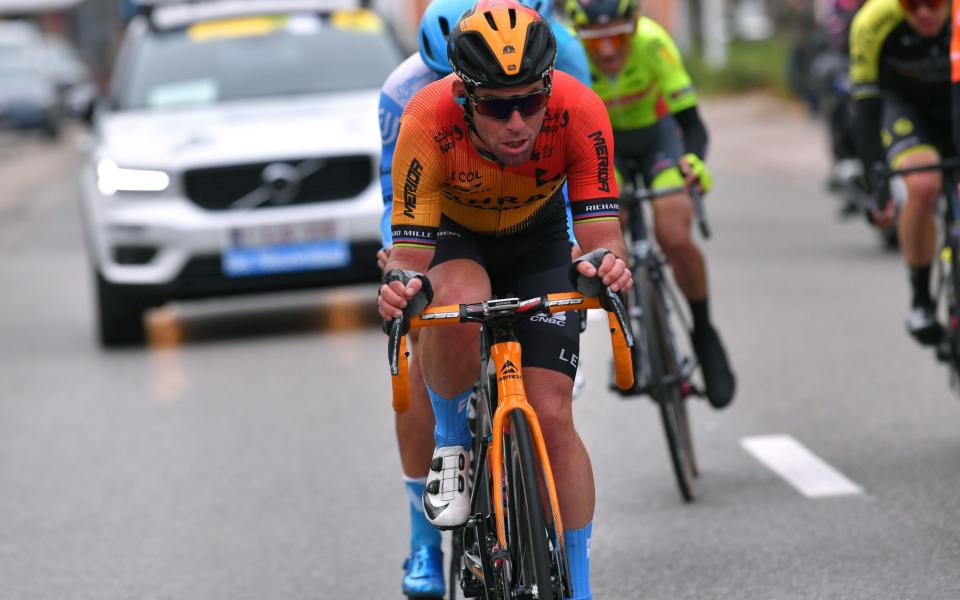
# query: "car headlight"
111, 179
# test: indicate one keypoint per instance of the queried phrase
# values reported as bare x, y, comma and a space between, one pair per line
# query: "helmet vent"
513, 18
445, 27
490, 21
425, 44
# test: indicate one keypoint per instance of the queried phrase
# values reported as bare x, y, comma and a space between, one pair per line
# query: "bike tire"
530, 563
482, 416
665, 386
953, 309
455, 565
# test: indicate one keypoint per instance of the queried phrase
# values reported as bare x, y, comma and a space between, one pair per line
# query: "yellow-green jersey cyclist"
637, 71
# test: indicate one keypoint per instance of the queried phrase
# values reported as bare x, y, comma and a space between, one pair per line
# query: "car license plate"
288, 248
287, 233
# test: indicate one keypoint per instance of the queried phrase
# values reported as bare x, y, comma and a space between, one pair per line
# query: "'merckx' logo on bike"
410, 188
509, 371
603, 160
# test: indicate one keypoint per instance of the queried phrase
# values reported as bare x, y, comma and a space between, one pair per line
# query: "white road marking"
802, 469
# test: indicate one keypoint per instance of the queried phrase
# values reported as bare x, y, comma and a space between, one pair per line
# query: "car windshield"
18, 74
256, 57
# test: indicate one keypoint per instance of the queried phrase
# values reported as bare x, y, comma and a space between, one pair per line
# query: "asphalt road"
249, 452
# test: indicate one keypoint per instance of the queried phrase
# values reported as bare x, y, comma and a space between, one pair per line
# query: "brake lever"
396, 330
700, 211
612, 303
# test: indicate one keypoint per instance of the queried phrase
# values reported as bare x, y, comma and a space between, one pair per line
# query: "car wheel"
51, 128
120, 315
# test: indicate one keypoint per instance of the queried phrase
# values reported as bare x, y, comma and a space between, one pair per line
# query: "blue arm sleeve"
571, 58
390, 113
566, 203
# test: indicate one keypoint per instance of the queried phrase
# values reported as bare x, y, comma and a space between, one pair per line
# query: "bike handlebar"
641, 195
621, 333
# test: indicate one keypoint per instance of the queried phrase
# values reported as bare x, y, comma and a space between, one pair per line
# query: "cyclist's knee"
459, 281
551, 395
923, 190
673, 230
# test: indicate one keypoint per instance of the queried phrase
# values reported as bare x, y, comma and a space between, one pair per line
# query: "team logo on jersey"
542, 180
559, 319
410, 187
903, 126
603, 160
389, 127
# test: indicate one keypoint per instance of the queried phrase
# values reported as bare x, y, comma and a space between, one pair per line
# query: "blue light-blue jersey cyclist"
423, 570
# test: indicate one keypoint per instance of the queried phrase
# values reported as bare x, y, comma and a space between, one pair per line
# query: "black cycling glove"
421, 300
591, 287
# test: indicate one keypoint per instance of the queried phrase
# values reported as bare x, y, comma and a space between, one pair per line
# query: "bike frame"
644, 252
500, 347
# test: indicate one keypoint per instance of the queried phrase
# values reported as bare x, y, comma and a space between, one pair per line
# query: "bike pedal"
471, 587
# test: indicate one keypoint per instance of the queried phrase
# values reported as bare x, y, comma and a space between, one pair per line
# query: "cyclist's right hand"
383, 255
403, 293
881, 210
594, 270
882, 213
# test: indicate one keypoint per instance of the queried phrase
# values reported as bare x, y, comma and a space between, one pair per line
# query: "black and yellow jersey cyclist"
900, 69
637, 71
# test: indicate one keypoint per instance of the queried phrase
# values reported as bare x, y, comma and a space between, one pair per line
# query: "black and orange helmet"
501, 43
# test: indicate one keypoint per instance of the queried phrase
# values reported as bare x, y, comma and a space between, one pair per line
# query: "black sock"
920, 282
700, 309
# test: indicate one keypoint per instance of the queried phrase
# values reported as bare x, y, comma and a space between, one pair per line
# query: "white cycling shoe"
446, 498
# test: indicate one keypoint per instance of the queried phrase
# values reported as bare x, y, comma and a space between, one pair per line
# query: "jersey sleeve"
868, 32
591, 184
675, 83
390, 113
416, 185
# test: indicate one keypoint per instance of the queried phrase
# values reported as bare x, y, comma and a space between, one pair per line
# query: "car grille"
337, 178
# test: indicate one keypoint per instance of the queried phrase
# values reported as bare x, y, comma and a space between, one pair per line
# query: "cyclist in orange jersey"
479, 168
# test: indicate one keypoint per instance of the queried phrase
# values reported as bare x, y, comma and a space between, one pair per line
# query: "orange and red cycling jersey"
437, 170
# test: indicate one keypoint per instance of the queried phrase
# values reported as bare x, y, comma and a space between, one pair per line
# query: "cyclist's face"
609, 44
927, 17
510, 140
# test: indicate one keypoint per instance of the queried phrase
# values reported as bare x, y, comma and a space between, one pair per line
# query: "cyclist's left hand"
695, 171
613, 272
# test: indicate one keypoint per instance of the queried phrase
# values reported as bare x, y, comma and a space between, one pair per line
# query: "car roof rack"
170, 14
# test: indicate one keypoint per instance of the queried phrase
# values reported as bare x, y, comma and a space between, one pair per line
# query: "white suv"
237, 152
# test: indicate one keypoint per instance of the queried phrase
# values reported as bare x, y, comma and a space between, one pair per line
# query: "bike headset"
483, 51
600, 12
435, 27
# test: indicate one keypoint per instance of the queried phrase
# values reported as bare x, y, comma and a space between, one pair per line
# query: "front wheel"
666, 385
529, 570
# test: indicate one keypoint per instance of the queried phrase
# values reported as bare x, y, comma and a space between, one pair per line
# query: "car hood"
242, 132
27, 91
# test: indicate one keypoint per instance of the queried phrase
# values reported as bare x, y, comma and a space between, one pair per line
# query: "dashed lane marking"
802, 469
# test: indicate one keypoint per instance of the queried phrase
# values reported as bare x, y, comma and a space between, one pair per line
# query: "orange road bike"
512, 547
